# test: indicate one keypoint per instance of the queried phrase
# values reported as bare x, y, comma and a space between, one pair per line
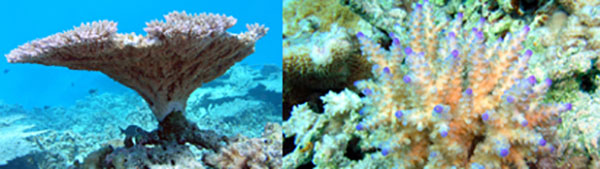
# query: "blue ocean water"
32, 85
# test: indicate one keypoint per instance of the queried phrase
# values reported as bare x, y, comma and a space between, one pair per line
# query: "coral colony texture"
430, 113
318, 53
164, 67
451, 87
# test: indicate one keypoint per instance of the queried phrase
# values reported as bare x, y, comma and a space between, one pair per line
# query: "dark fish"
133, 131
92, 91
6, 71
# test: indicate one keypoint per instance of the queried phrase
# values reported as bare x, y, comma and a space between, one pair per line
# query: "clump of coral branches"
445, 95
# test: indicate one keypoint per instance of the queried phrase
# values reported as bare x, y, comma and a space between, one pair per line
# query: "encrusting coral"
164, 67
564, 46
578, 131
444, 95
320, 51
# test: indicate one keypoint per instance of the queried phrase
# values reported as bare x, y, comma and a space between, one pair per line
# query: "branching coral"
323, 137
254, 153
445, 96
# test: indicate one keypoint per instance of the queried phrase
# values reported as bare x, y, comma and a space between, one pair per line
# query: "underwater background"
51, 117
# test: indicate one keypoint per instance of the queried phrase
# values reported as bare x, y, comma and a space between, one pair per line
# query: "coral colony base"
443, 95
164, 67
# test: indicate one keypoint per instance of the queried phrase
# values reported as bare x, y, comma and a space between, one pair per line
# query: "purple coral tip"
568, 106
385, 151
559, 120
386, 70
452, 34
360, 127
528, 53
360, 35
432, 154
408, 51
460, 15
510, 99
526, 29
438, 108
469, 91
406, 79
542, 142
548, 81
367, 91
531, 79
524, 123
485, 116
479, 35
455, 53
361, 112
419, 6
482, 20
391, 34
399, 114
396, 42
504, 152
356, 83
444, 133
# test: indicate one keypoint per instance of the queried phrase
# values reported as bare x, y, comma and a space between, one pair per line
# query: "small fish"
6, 71
92, 91
133, 130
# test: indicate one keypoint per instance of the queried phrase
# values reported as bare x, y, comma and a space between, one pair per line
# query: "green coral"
579, 132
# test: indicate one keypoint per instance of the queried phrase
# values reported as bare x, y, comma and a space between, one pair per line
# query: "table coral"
184, 46
164, 67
